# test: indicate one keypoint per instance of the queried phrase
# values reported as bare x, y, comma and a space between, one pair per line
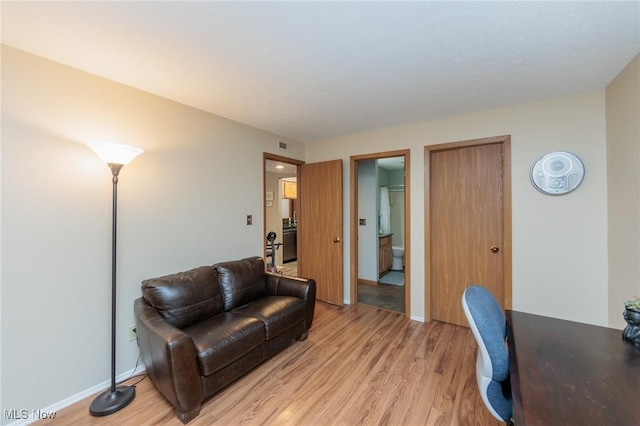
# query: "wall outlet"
133, 333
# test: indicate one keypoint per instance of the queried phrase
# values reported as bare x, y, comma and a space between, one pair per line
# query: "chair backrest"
489, 327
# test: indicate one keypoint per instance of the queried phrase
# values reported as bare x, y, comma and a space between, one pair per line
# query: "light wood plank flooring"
359, 366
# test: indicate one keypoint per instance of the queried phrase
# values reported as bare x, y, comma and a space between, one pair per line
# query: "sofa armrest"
169, 356
304, 288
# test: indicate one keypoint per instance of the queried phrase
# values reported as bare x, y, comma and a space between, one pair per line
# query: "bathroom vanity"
384, 254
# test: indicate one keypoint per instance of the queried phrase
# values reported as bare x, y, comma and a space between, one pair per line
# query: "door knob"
336, 240
495, 249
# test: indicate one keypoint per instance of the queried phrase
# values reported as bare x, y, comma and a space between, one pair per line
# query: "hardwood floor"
360, 366
290, 268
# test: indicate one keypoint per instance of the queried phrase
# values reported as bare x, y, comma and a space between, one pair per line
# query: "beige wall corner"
623, 185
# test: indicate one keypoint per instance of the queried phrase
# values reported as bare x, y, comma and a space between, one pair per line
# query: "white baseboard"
417, 318
26, 417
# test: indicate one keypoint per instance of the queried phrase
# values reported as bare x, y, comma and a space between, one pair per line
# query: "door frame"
273, 157
505, 141
353, 169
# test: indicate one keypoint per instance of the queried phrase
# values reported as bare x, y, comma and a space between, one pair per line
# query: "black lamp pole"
115, 398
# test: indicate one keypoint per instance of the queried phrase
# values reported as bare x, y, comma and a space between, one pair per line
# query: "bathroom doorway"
380, 228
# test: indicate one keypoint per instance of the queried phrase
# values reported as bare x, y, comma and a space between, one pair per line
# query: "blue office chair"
489, 328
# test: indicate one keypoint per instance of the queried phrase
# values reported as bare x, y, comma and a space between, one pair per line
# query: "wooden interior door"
466, 199
320, 247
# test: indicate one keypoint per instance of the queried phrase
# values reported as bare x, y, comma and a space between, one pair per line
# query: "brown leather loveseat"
201, 329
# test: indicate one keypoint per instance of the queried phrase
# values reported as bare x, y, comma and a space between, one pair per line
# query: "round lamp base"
109, 402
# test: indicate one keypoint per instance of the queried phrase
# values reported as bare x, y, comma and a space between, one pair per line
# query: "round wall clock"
557, 173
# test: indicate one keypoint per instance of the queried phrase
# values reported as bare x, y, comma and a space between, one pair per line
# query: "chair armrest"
304, 288
169, 356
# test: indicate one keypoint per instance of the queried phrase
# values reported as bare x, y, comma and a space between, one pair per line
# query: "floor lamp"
114, 398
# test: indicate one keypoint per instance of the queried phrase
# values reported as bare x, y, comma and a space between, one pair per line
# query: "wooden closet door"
466, 199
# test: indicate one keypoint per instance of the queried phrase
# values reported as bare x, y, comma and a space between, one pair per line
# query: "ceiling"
312, 71
391, 163
280, 167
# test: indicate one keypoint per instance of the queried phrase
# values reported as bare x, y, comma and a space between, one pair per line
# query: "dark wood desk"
568, 373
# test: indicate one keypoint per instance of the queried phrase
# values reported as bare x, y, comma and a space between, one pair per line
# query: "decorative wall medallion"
557, 173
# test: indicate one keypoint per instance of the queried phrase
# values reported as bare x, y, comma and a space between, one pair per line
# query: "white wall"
559, 243
396, 198
182, 204
623, 171
368, 210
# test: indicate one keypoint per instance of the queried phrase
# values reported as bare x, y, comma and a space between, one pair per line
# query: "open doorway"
281, 213
379, 230
319, 224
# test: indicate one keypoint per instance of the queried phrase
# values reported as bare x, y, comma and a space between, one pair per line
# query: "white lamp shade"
114, 153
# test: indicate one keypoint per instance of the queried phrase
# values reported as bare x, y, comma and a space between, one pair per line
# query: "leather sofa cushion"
279, 313
242, 281
222, 339
185, 298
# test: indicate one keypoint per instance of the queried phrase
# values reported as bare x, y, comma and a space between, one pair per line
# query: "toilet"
397, 254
